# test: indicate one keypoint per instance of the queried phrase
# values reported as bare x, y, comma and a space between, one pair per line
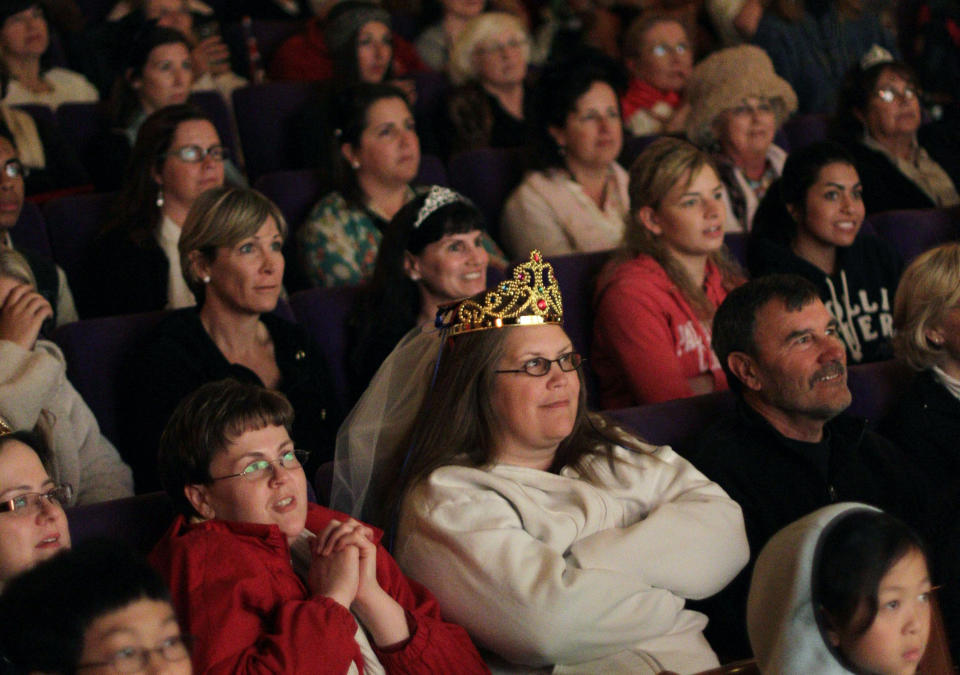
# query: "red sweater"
236, 592
647, 340
305, 56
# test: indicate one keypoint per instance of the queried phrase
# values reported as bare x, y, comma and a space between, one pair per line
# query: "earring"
206, 279
160, 198
355, 164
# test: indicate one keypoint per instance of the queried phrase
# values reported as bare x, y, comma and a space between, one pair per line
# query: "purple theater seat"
676, 423
138, 521
736, 243
487, 176
576, 273
270, 34
803, 130
266, 119
294, 192
876, 387
73, 223
30, 230
215, 107
323, 314
912, 232
431, 172
96, 350
633, 146
80, 124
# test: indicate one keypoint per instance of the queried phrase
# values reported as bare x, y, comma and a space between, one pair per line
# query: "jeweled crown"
531, 297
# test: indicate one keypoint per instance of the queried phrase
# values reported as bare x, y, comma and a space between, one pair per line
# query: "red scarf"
641, 95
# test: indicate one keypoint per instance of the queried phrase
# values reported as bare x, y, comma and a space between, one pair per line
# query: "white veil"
380, 421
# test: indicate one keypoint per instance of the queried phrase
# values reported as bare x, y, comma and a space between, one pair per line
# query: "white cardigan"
550, 570
34, 382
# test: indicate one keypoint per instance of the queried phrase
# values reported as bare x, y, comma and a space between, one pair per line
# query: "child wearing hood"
845, 589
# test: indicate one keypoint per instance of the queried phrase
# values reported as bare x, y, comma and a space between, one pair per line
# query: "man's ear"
744, 369
647, 217
199, 498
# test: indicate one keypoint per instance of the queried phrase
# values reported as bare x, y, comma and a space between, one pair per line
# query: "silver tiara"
437, 198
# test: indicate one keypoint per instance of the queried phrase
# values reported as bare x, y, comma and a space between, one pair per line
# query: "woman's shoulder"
639, 270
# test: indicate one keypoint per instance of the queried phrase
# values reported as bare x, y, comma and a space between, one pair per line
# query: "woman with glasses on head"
33, 526
738, 103
98, 608
267, 582
135, 264
903, 163
35, 393
231, 248
554, 537
492, 104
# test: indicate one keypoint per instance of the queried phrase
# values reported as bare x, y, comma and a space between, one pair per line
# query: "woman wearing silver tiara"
432, 254
558, 540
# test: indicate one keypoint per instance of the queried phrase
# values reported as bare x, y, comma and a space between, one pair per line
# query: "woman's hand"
335, 569
22, 314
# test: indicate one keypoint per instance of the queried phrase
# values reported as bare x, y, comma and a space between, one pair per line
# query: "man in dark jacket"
788, 450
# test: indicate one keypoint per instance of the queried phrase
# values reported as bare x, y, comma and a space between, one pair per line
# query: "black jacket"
777, 480
863, 286
179, 356
124, 277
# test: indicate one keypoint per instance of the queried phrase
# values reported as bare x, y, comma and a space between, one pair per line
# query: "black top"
124, 277
45, 274
475, 119
63, 169
179, 356
777, 480
859, 294
885, 188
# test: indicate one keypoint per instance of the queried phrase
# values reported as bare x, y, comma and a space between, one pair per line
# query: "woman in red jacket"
655, 300
265, 581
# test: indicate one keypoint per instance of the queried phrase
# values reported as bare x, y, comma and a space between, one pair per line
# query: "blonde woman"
926, 320
488, 64
655, 300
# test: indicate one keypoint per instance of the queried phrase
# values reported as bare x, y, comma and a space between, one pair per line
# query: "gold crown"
532, 297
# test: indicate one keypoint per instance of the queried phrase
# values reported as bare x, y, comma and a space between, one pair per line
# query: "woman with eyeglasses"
264, 580
98, 608
33, 526
557, 539
492, 104
231, 248
135, 264
738, 103
903, 163
36, 395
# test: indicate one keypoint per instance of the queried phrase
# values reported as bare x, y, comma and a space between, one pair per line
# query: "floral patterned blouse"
339, 241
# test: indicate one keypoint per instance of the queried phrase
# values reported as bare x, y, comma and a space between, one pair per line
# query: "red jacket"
647, 340
236, 592
304, 56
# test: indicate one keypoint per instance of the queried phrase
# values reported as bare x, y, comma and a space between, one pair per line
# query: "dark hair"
801, 171
46, 610
135, 209
350, 108
204, 423
858, 86
735, 322
558, 89
854, 553
793, 10
32, 440
346, 69
124, 102
388, 307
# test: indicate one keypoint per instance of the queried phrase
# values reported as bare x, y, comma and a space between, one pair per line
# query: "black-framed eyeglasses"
540, 366
194, 154
136, 659
261, 468
14, 168
890, 94
30, 502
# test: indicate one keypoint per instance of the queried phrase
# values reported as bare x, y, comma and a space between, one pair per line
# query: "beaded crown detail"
531, 297
437, 198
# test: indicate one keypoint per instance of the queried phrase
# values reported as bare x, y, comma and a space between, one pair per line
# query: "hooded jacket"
781, 616
859, 295
648, 341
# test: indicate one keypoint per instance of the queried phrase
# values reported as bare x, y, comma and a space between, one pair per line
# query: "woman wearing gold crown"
557, 539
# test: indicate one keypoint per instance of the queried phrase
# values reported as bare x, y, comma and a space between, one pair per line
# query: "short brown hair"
223, 216
205, 422
929, 287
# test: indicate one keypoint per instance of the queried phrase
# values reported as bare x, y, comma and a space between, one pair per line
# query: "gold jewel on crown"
531, 297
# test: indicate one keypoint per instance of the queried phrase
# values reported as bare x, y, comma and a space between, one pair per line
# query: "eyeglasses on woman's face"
890, 94
540, 365
262, 468
194, 154
136, 659
29, 503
